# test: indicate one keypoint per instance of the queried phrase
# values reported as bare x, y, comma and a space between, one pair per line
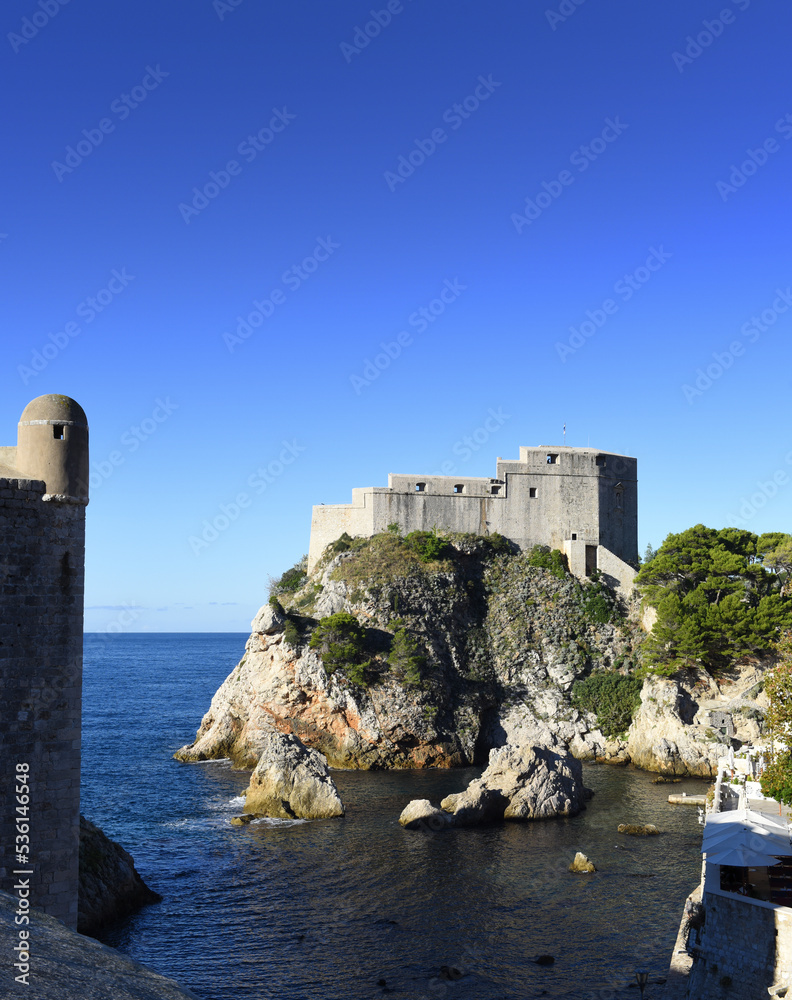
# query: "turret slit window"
494, 489
532, 491
459, 488
420, 487
552, 459
57, 432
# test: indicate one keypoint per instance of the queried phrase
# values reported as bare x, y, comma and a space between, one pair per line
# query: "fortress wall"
617, 573
330, 521
426, 511
42, 545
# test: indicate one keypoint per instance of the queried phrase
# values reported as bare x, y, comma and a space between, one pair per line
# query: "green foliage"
292, 579
394, 528
406, 658
276, 605
427, 545
342, 544
291, 633
599, 603
340, 640
776, 779
611, 696
649, 554
714, 599
552, 560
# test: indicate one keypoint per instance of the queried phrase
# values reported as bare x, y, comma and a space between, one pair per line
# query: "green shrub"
342, 544
553, 560
426, 545
599, 603
292, 579
340, 640
611, 696
291, 633
406, 658
276, 605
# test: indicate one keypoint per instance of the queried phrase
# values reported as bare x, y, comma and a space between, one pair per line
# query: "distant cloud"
116, 607
224, 604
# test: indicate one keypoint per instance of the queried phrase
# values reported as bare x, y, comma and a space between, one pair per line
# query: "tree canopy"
719, 594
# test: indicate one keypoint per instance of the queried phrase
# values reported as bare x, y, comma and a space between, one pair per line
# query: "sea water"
358, 908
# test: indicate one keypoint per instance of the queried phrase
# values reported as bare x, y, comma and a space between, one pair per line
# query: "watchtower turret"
52, 444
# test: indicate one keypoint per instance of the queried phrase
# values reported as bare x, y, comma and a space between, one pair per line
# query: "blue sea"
357, 908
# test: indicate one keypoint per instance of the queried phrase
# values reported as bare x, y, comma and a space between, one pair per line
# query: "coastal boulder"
292, 781
421, 814
582, 864
521, 783
269, 620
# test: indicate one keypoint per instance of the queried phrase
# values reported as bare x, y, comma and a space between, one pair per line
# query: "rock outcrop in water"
292, 781
471, 651
109, 887
521, 783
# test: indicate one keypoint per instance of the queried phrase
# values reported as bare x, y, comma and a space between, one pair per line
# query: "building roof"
54, 406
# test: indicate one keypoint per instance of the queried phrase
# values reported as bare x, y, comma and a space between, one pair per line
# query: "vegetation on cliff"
719, 595
777, 776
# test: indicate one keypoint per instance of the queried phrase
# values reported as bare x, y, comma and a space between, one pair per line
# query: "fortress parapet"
580, 500
43, 494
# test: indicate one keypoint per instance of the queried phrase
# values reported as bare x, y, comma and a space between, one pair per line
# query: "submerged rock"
292, 781
639, 830
521, 783
109, 887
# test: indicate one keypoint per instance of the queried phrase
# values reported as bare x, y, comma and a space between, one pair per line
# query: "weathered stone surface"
269, 620
521, 783
421, 814
582, 864
110, 887
67, 966
292, 781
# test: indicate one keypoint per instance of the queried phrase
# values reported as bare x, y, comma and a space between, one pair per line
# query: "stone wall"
745, 946
571, 499
42, 544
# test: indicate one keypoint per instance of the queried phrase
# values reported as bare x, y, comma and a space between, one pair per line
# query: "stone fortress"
43, 495
579, 500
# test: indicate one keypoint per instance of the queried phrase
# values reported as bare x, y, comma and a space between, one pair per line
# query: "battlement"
583, 501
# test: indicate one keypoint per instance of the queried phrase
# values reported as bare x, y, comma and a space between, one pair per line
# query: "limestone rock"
582, 864
292, 781
269, 620
521, 783
109, 887
639, 829
421, 814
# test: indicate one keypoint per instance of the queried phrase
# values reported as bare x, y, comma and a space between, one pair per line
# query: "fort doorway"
591, 559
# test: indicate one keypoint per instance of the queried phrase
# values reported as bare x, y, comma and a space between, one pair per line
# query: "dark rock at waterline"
110, 887
545, 959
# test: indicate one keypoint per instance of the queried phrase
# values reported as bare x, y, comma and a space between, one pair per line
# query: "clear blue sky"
117, 116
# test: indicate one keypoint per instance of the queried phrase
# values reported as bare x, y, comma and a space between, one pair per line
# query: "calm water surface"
327, 909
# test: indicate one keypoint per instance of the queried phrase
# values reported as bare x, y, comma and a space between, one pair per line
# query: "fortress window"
459, 488
57, 431
531, 491
552, 459
420, 487
494, 489
574, 536
600, 460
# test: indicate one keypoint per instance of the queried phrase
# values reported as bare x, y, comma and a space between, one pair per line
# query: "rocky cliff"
469, 650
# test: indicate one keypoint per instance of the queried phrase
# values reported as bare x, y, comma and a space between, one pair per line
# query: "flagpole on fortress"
565, 435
